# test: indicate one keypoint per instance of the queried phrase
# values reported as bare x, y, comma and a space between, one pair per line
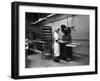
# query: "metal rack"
46, 32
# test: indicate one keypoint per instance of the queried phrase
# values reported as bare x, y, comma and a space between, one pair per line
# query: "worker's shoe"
68, 59
56, 59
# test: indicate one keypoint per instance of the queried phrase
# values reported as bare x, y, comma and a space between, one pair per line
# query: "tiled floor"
37, 61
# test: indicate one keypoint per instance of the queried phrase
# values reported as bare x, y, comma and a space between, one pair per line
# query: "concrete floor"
37, 61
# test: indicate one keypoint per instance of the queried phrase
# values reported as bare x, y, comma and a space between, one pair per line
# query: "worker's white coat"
56, 45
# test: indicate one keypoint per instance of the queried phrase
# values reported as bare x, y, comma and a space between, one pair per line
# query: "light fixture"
41, 19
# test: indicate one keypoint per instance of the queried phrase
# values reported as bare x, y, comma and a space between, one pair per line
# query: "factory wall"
81, 23
31, 30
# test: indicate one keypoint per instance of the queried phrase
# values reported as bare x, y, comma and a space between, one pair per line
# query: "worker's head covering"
57, 30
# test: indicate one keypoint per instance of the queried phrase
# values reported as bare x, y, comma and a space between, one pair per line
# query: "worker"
67, 51
56, 45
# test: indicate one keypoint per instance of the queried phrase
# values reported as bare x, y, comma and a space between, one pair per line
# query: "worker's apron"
56, 49
56, 45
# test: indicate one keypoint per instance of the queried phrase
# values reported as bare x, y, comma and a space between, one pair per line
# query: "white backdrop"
5, 40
